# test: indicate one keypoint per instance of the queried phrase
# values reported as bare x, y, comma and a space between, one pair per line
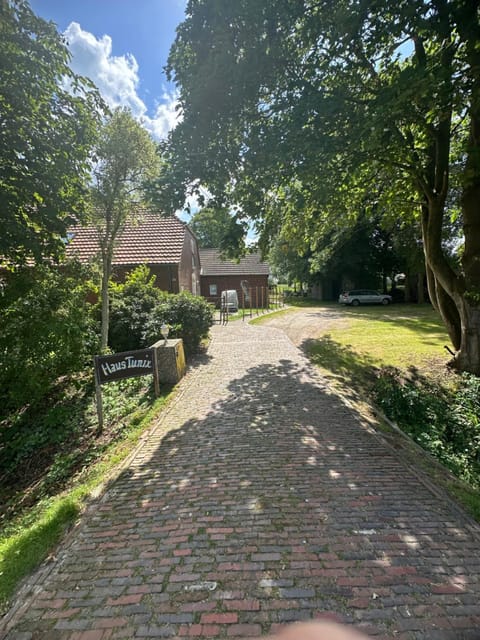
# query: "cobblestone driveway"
260, 499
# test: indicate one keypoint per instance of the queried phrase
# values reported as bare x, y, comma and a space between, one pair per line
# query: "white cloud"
166, 116
117, 78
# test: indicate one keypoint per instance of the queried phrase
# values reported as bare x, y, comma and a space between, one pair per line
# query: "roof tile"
152, 239
213, 265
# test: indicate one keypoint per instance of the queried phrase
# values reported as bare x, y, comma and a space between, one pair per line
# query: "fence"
259, 300
252, 301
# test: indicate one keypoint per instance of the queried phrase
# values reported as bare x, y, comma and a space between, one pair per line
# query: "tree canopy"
126, 159
48, 119
312, 111
217, 228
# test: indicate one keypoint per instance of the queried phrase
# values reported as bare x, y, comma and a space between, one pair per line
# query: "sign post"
98, 396
117, 366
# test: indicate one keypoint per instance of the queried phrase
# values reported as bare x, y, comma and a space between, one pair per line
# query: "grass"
300, 301
31, 534
467, 496
265, 318
248, 314
401, 336
22, 552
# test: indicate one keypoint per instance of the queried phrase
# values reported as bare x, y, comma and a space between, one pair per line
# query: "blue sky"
122, 45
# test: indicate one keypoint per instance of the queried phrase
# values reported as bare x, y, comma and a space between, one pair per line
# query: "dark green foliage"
444, 421
46, 135
132, 304
362, 255
189, 317
47, 332
139, 309
41, 439
304, 114
217, 228
43, 446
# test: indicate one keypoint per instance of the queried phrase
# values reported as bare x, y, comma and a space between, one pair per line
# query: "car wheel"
385, 301
355, 303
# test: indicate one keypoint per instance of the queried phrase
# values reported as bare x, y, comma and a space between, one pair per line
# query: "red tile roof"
212, 265
152, 239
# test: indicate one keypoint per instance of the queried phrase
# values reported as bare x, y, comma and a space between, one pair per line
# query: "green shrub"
131, 305
444, 421
48, 331
189, 317
138, 310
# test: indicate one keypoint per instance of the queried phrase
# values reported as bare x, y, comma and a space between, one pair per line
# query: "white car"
364, 296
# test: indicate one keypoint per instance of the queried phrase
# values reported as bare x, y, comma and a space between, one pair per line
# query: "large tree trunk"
453, 295
467, 357
469, 307
443, 284
106, 273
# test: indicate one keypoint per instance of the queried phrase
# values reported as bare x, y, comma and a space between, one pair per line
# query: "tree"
126, 160
287, 263
216, 228
360, 256
48, 331
46, 134
334, 105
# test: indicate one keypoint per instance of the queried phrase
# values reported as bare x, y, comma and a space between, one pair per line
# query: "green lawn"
249, 314
399, 336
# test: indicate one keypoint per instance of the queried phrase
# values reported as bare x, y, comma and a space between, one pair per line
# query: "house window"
213, 289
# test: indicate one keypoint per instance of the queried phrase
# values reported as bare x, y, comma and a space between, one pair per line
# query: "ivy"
443, 420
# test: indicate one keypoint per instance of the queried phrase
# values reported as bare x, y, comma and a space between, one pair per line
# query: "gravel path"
304, 324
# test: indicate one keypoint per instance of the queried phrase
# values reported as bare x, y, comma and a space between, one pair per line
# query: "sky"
122, 45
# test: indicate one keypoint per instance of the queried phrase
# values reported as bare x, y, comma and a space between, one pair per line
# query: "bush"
444, 421
131, 305
138, 310
189, 317
48, 331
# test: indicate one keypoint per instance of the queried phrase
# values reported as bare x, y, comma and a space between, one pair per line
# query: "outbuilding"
248, 276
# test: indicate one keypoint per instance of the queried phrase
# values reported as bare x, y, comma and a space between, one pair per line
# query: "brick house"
217, 275
165, 244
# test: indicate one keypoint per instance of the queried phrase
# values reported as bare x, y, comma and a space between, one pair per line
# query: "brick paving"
258, 500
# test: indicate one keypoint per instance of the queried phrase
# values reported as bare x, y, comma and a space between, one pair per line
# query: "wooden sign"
127, 364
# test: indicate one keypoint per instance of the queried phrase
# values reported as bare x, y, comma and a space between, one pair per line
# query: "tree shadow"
424, 319
199, 358
279, 466
356, 372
